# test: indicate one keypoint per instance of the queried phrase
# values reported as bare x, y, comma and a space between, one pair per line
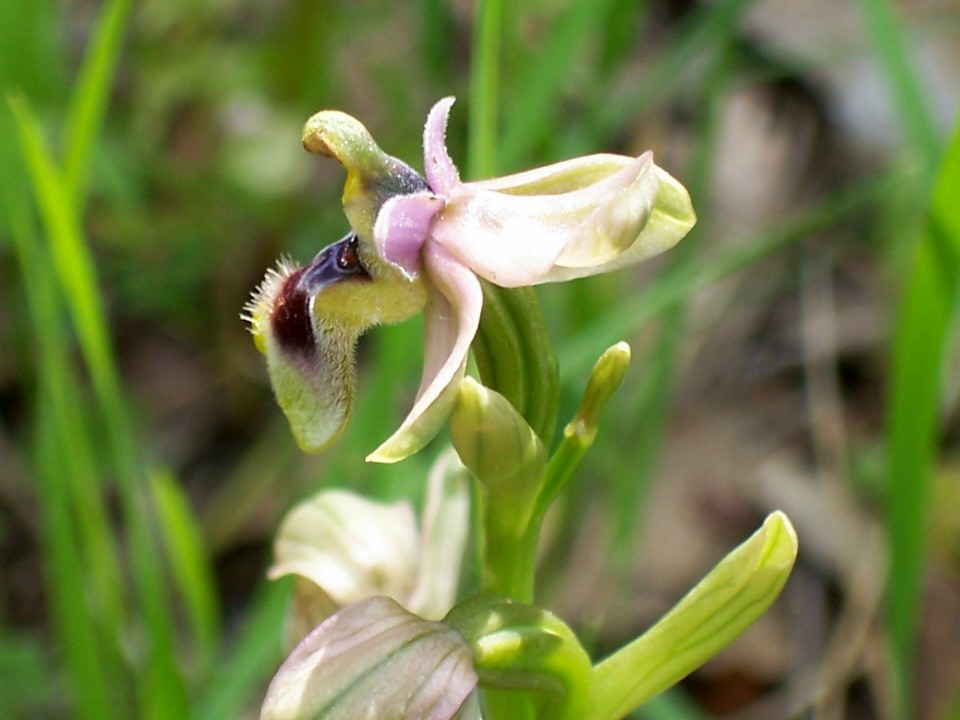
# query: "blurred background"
797, 351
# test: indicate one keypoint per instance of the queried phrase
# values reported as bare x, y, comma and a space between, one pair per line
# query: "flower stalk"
370, 585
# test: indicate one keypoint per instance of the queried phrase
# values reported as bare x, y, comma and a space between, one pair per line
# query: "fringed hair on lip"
258, 308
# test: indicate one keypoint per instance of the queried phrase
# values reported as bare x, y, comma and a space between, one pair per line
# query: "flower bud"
498, 447
519, 646
605, 378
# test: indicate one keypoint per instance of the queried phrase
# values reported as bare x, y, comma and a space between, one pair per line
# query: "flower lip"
290, 317
336, 262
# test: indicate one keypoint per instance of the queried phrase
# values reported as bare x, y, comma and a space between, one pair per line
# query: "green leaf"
927, 309
89, 100
189, 563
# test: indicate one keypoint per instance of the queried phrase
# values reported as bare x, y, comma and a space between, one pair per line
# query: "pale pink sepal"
373, 659
451, 319
514, 240
349, 546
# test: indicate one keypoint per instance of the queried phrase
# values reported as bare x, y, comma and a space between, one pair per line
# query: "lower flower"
373, 659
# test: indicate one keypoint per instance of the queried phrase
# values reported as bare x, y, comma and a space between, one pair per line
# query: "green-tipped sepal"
727, 601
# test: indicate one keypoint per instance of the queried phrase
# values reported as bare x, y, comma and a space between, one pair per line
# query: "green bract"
724, 604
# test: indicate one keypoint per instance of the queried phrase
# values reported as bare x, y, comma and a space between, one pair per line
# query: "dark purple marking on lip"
291, 317
340, 261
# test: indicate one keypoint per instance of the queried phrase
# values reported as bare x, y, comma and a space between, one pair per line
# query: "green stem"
509, 561
484, 83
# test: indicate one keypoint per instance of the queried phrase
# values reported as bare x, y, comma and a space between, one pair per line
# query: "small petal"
514, 240
373, 660
442, 175
451, 319
561, 177
403, 227
350, 547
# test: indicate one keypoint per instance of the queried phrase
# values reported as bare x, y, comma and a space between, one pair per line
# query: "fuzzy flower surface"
426, 242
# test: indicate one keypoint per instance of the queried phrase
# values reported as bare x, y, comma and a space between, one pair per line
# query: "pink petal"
514, 240
442, 175
451, 319
402, 227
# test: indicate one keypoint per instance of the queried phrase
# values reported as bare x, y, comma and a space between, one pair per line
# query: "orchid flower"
427, 243
342, 548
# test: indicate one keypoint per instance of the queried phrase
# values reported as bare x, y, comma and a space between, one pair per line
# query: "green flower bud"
498, 447
518, 646
604, 380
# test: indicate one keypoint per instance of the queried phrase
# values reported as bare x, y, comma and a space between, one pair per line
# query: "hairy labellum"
309, 356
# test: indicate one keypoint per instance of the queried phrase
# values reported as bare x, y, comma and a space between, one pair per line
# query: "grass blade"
75, 625
77, 547
72, 260
189, 564
542, 84
886, 31
484, 95
920, 341
162, 692
89, 99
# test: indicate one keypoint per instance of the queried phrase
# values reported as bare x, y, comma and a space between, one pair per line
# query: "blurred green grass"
151, 172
